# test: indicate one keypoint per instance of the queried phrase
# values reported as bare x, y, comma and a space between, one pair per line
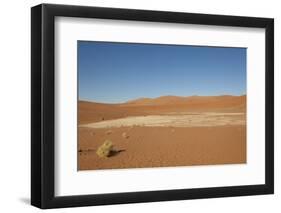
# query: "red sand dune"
92, 112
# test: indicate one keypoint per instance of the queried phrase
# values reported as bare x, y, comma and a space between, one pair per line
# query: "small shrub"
105, 149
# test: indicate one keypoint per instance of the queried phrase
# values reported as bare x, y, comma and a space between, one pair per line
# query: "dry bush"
105, 149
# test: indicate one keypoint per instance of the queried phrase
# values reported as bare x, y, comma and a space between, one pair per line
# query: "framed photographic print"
139, 106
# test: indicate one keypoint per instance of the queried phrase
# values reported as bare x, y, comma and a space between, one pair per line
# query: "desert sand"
162, 132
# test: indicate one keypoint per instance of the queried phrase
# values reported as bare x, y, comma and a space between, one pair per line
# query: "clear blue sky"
111, 72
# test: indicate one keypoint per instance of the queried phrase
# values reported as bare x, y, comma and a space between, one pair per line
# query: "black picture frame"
43, 102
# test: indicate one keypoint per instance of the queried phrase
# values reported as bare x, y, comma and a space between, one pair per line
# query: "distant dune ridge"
94, 112
163, 100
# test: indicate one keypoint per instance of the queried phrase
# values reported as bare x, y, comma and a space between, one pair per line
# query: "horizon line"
129, 100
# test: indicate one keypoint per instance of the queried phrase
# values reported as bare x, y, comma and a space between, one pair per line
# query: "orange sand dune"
92, 112
89, 112
224, 100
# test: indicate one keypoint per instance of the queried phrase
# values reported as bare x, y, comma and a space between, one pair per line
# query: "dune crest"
90, 112
172, 100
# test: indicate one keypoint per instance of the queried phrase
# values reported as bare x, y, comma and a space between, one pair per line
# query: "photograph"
160, 105
135, 105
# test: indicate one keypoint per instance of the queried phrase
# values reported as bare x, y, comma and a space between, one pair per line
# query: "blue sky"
111, 72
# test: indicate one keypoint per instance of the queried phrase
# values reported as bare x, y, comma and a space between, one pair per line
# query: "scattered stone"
108, 132
125, 135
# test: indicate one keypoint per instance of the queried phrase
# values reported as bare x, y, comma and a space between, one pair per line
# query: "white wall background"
15, 105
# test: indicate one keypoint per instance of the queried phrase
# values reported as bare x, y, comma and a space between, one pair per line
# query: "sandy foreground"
163, 146
144, 138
